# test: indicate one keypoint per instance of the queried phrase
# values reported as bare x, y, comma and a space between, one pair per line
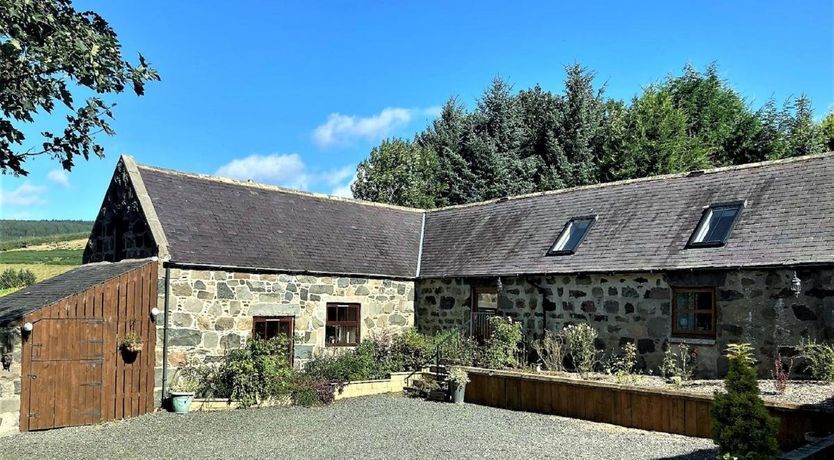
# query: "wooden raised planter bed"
394, 384
630, 406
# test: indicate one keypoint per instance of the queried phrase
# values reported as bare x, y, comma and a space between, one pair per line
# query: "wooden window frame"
277, 319
357, 323
713, 312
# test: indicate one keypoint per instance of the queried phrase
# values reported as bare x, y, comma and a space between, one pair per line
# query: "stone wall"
211, 311
120, 230
10, 345
752, 306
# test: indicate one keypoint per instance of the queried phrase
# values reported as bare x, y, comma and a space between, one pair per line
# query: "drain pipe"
165, 334
545, 300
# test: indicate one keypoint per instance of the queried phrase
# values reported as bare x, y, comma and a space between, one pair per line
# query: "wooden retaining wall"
647, 409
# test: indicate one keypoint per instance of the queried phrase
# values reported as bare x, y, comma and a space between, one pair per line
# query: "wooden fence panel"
74, 372
666, 411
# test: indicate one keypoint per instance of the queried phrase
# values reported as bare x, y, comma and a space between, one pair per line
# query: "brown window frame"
712, 311
277, 319
356, 323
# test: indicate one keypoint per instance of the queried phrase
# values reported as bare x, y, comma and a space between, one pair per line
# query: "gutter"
165, 334
242, 269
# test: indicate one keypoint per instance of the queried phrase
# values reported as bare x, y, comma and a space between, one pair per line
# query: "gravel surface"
367, 428
797, 391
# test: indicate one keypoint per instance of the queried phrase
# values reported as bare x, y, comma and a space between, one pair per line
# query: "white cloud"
289, 170
60, 177
280, 169
340, 128
24, 195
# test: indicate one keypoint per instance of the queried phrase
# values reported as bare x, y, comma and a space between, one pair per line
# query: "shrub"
501, 347
624, 365
678, 367
780, 374
551, 350
411, 349
26, 277
362, 363
741, 425
579, 340
458, 376
257, 372
309, 392
819, 359
455, 348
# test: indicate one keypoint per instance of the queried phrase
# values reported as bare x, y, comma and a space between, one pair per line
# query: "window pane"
352, 313
703, 300
260, 330
284, 327
330, 334
703, 322
572, 235
683, 300
721, 222
684, 320
487, 300
332, 312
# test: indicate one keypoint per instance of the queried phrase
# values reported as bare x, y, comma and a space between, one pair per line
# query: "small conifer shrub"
741, 425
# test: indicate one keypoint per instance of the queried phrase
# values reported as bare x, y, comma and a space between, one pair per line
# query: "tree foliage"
741, 425
47, 51
397, 171
535, 140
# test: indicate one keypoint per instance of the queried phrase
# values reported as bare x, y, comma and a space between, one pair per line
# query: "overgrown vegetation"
741, 425
533, 140
579, 339
11, 278
501, 350
818, 358
678, 368
551, 350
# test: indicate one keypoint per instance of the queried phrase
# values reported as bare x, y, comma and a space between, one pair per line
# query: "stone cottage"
704, 258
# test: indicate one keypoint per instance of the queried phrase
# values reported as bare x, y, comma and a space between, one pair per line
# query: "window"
268, 327
693, 312
571, 236
342, 328
715, 225
485, 298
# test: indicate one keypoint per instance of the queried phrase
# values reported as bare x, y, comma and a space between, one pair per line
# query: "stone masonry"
752, 306
211, 311
10, 345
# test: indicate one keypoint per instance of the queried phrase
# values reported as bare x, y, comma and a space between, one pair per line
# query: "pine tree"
827, 127
804, 136
741, 425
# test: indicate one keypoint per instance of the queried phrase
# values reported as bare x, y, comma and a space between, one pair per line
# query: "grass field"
41, 271
41, 240
53, 257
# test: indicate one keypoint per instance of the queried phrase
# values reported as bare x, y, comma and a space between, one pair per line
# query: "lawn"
49, 257
368, 428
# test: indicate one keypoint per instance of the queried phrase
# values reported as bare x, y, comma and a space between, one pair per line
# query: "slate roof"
22, 302
221, 222
644, 224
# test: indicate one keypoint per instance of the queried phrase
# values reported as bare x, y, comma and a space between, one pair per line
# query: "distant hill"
11, 230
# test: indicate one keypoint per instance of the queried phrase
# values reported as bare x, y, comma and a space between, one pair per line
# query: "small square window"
571, 236
693, 312
342, 327
715, 226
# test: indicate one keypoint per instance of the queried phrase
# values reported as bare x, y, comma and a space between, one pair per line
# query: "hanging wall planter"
132, 343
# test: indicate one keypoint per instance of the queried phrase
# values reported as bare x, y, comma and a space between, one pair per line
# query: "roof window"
571, 236
716, 224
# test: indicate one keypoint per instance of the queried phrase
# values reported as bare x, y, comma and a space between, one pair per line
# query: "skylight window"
571, 236
715, 225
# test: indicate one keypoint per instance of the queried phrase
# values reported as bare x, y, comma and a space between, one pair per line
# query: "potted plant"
132, 343
183, 387
458, 378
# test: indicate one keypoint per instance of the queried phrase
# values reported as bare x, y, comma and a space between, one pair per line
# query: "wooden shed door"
66, 373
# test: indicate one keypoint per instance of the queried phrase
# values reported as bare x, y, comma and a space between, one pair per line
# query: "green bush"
309, 392
501, 351
256, 372
11, 278
411, 349
365, 362
741, 425
579, 340
551, 350
456, 348
819, 359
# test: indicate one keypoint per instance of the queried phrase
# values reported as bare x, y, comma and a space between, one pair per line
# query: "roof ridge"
275, 188
758, 164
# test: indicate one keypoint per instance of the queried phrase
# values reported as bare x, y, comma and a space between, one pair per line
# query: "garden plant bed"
812, 392
658, 409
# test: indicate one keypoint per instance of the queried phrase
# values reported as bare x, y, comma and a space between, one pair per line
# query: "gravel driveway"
372, 427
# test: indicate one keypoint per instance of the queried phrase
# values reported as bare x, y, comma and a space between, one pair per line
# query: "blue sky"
296, 93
